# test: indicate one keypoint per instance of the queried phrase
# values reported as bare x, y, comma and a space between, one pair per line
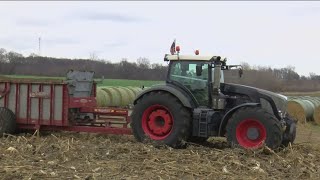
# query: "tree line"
12, 63
274, 79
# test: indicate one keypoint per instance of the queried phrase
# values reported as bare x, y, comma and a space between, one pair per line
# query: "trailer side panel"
39, 103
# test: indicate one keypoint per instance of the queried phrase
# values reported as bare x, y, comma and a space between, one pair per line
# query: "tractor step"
200, 122
205, 121
203, 124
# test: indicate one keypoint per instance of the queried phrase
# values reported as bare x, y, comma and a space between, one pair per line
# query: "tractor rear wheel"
7, 121
161, 118
253, 127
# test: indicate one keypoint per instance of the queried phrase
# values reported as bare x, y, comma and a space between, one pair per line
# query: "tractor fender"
226, 117
182, 96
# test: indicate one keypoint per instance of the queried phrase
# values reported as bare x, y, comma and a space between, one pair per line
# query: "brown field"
93, 156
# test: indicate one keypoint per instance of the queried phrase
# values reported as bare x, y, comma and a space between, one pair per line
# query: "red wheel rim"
157, 122
251, 133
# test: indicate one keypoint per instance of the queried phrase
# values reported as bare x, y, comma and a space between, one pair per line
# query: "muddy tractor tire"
290, 133
7, 121
160, 117
252, 128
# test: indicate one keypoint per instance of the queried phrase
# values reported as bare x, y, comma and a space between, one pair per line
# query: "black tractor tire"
290, 133
7, 121
167, 109
253, 127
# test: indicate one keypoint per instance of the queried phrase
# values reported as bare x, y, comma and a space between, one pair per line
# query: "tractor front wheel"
290, 133
160, 117
253, 127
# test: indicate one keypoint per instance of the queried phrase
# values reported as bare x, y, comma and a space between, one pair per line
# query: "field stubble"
92, 156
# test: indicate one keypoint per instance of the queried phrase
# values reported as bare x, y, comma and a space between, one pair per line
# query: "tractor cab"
200, 75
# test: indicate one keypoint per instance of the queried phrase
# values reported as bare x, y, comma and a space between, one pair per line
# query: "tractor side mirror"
240, 72
199, 70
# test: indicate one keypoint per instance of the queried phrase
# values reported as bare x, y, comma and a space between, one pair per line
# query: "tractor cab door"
184, 73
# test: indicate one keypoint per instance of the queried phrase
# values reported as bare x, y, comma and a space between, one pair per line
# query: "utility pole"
39, 46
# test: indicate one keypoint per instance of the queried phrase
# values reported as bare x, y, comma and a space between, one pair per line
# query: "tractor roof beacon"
195, 104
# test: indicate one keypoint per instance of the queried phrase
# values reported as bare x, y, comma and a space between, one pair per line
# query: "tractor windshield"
184, 72
187, 70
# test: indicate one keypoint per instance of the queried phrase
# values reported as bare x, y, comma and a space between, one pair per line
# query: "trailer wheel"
253, 127
161, 118
7, 121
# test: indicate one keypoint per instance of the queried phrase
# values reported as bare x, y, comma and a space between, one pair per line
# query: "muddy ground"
67, 155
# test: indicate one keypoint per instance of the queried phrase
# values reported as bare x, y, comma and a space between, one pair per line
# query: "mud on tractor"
195, 103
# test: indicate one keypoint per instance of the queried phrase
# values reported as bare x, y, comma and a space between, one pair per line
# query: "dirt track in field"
91, 156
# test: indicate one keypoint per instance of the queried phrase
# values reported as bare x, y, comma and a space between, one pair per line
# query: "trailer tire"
160, 117
253, 127
7, 121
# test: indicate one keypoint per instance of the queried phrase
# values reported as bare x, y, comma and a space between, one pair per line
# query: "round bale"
114, 96
101, 100
300, 109
316, 115
124, 96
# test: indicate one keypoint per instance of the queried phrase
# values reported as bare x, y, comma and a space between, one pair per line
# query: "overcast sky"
275, 34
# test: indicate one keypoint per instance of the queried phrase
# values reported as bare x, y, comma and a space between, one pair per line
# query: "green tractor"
196, 104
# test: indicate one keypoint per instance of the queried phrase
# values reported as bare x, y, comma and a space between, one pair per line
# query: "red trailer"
68, 105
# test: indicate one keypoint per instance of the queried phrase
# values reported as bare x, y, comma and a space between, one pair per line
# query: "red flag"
173, 48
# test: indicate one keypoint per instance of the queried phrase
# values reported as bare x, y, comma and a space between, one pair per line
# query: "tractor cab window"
184, 72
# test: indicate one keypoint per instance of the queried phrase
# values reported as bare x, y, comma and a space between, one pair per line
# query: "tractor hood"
279, 99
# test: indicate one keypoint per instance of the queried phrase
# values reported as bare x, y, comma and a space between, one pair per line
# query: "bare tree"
143, 63
93, 56
3, 55
245, 66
